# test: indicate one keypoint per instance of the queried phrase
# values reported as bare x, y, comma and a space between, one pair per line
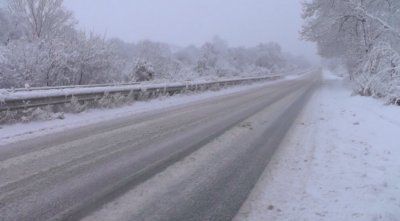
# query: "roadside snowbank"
340, 161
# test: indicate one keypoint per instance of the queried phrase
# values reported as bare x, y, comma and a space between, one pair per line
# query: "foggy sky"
185, 22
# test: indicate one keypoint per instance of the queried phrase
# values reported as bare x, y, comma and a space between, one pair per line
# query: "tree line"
41, 46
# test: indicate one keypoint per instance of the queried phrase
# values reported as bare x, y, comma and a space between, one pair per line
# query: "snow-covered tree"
363, 34
269, 56
9, 29
213, 59
6, 27
94, 60
187, 56
40, 19
379, 74
159, 56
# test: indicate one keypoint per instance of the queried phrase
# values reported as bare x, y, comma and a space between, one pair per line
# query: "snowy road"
191, 162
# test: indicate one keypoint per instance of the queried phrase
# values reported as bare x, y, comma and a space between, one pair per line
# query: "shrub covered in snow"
379, 74
144, 71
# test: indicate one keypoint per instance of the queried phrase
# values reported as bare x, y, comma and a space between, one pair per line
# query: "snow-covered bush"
94, 62
379, 74
30, 114
144, 71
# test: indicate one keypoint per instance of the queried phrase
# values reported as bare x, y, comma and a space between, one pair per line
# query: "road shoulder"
338, 162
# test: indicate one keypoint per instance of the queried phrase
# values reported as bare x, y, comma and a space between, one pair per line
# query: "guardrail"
37, 97
70, 87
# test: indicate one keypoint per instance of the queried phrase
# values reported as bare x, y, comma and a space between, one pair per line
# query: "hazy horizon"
189, 22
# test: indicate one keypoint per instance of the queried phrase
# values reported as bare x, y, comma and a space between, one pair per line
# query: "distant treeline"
41, 46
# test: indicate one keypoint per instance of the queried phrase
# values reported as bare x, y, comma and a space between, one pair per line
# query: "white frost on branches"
364, 35
40, 46
379, 75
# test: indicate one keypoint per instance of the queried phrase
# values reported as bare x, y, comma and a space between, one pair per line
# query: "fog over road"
197, 161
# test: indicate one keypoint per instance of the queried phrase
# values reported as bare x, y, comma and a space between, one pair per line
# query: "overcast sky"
185, 22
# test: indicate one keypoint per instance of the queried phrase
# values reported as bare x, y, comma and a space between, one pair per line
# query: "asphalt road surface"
197, 161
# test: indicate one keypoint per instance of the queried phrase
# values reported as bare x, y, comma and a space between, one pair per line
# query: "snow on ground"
339, 162
22, 131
